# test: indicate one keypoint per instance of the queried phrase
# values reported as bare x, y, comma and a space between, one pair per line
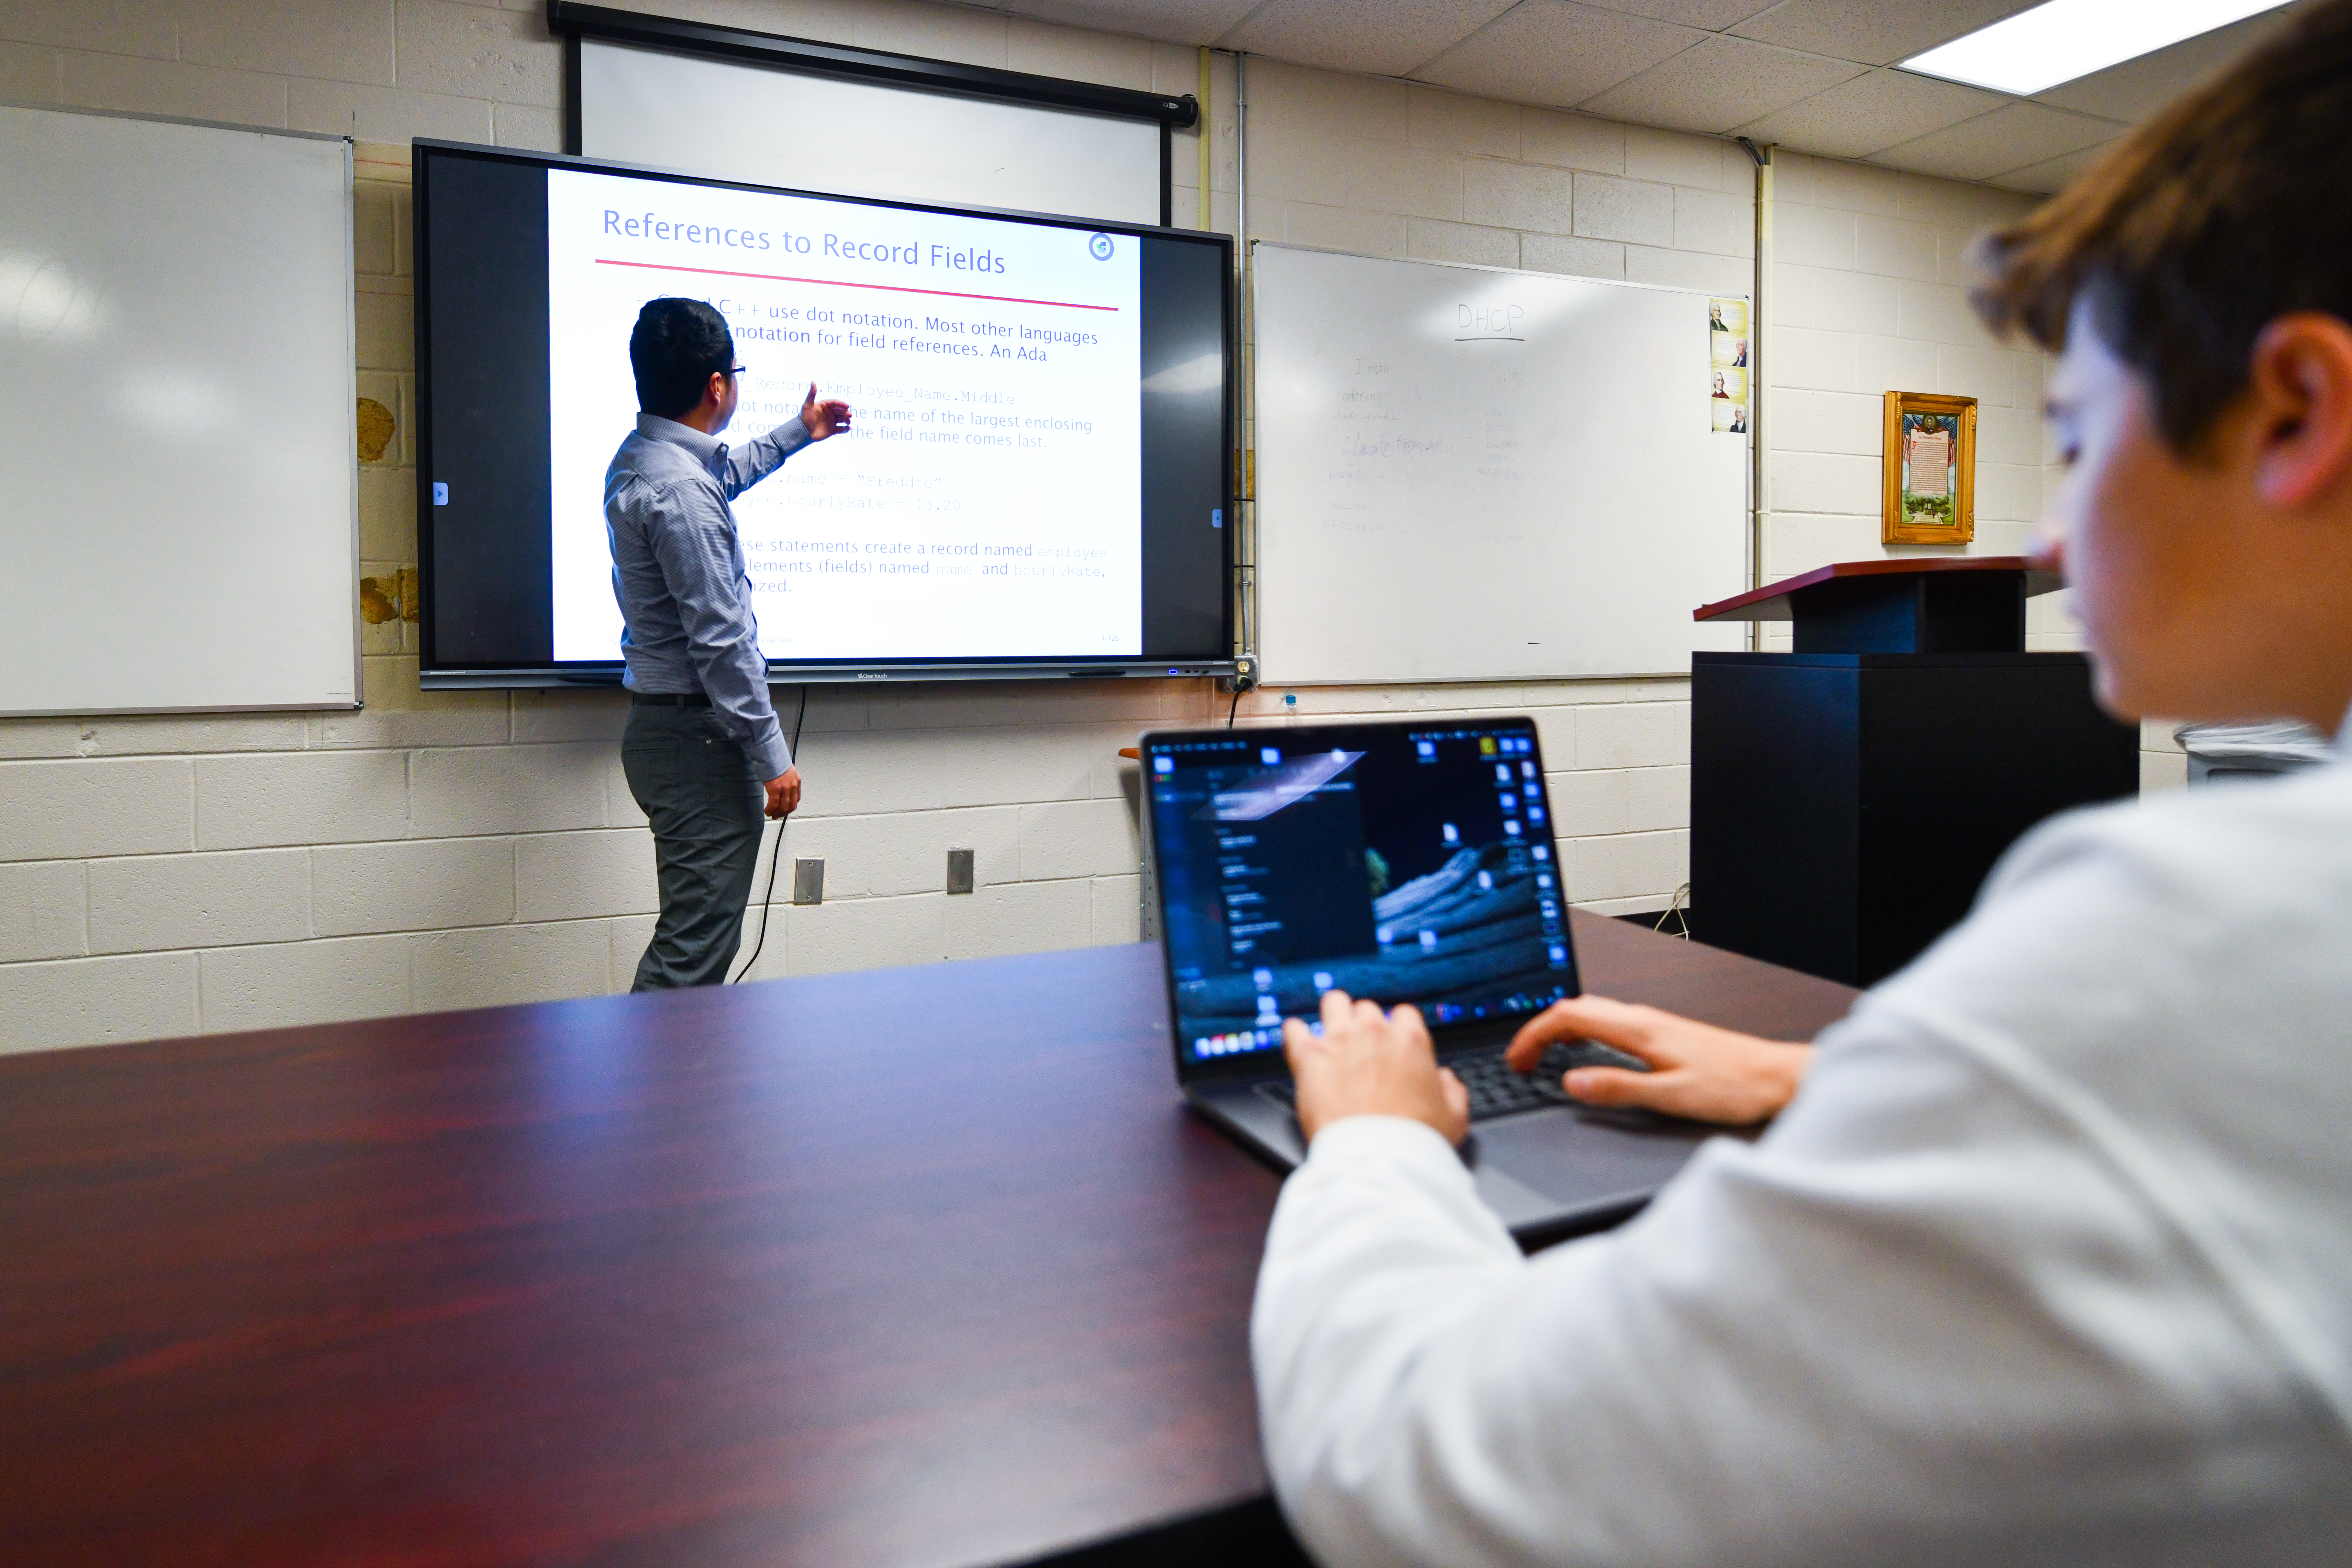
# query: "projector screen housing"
1064, 515
744, 121
738, 104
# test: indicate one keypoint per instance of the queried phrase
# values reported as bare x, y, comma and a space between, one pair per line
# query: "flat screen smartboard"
1036, 481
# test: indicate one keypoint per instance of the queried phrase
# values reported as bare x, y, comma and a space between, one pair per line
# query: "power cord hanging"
1677, 912
767, 902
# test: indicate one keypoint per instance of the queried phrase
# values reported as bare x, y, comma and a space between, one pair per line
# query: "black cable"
1234, 708
768, 903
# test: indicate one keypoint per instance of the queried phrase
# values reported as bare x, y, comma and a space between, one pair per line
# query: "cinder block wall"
1866, 296
169, 875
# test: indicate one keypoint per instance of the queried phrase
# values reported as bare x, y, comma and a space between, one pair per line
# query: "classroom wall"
1865, 294
168, 875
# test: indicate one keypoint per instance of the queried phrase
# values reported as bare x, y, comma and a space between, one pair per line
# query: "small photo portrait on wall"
1730, 382
1731, 418
1727, 318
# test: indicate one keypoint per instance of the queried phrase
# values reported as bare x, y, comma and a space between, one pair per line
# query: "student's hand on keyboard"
1369, 1063
1696, 1070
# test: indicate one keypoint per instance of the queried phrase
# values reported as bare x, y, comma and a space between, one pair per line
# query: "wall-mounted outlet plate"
808, 882
959, 870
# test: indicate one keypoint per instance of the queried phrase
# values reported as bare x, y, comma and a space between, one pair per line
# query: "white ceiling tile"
1553, 52
1877, 32
1718, 84
2013, 137
1712, 15
1171, 21
2047, 179
1870, 113
2137, 89
1388, 39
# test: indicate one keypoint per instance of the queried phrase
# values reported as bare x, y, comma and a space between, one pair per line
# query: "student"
2050, 1260
703, 745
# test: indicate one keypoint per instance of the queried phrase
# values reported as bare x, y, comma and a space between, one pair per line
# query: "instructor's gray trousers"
694, 783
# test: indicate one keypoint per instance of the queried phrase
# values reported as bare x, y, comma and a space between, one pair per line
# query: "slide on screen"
986, 501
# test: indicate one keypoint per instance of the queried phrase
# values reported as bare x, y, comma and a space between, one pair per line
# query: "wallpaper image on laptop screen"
1394, 863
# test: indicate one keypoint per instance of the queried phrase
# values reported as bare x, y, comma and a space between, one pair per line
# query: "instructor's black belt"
669, 700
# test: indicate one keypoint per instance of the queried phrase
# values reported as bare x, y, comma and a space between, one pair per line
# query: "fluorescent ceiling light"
2068, 38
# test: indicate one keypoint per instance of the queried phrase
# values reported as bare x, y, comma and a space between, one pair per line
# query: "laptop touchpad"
1582, 1156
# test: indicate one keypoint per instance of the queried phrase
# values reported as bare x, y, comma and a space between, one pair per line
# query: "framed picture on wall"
1930, 459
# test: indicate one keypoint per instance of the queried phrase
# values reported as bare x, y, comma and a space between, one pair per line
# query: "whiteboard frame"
1256, 617
351, 426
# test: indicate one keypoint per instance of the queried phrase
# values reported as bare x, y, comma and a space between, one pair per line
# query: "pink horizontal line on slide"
837, 283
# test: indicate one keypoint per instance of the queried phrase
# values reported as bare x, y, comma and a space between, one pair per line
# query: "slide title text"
947, 257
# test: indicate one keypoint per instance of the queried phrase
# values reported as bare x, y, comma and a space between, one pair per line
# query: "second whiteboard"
1466, 474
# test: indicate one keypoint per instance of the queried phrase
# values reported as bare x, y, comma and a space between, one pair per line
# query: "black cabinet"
1846, 806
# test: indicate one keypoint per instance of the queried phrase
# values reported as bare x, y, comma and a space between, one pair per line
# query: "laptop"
1409, 861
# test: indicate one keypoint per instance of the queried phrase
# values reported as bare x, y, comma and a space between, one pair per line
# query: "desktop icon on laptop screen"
1395, 862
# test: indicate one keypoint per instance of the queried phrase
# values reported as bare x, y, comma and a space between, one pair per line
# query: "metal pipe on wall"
1759, 355
1204, 137
1246, 552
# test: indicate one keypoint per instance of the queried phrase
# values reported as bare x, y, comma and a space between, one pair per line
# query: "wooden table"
924, 1267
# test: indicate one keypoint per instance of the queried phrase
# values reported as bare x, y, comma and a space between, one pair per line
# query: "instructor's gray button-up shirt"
678, 571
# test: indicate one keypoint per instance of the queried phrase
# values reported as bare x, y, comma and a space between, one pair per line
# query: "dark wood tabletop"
923, 1267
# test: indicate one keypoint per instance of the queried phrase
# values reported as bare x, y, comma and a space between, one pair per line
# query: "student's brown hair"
2232, 208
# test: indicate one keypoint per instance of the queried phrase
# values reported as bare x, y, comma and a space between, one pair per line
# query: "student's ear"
2299, 389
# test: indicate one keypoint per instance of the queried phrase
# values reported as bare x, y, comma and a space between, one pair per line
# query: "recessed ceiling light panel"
2037, 49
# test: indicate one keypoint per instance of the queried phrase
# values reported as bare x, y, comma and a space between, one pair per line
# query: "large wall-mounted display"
1036, 481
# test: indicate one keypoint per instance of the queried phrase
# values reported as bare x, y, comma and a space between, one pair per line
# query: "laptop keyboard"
1495, 1089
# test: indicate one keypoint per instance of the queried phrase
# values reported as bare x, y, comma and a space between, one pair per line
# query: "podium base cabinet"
1846, 807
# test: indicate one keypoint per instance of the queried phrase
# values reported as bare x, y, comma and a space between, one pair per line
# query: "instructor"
702, 743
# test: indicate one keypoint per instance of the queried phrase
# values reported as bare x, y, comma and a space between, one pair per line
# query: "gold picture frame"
1927, 427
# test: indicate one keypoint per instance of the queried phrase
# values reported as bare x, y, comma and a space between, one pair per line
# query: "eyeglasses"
738, 370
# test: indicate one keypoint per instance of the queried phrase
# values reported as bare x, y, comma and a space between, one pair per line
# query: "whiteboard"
772, 127
1465, 473
179, 523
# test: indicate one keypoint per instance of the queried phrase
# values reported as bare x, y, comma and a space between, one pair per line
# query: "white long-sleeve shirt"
2050, 1262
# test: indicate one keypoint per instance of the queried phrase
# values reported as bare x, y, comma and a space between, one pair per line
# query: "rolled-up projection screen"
774, 127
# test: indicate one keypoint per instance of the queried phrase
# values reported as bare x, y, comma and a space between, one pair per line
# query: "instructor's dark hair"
2228, 210
676, 346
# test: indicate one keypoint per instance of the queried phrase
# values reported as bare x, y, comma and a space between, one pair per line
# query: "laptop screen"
1397, 862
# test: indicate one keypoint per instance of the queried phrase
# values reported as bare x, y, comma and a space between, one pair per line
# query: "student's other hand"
830, 417
1696, 1070
783, 795
1369, 1063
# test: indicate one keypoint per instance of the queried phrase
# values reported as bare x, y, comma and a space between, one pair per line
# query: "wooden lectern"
1847, 798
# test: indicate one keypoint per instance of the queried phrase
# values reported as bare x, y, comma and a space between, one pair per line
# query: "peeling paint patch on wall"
379, 600
376, 427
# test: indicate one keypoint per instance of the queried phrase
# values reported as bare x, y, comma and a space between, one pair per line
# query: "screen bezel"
435, 673
1462, 1035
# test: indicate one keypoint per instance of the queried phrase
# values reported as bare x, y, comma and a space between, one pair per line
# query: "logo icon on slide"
1100, 247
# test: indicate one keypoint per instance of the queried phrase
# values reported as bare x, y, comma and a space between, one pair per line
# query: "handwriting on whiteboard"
1489, 324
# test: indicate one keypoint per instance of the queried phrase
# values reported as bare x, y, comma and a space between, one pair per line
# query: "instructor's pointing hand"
830, 417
